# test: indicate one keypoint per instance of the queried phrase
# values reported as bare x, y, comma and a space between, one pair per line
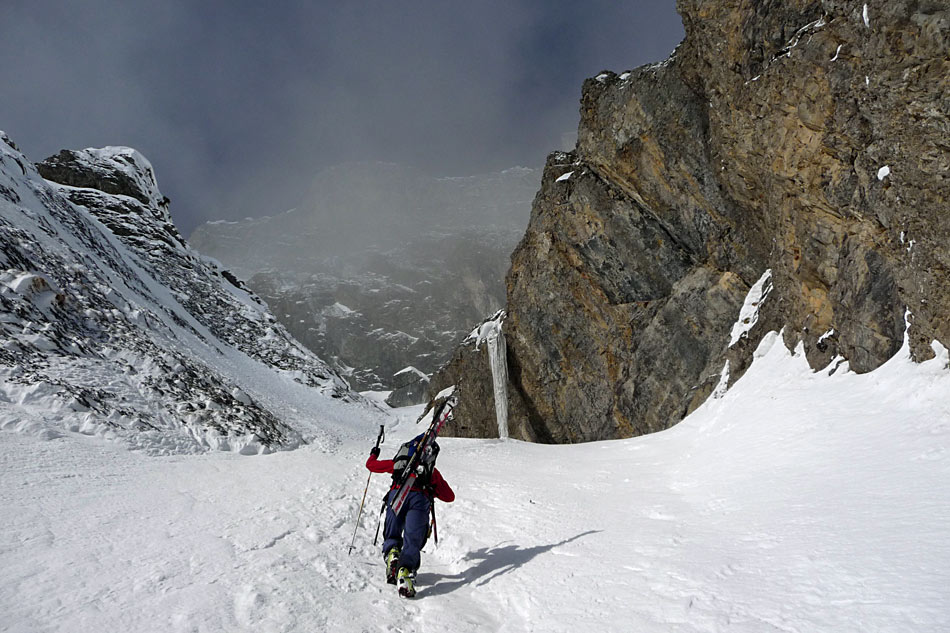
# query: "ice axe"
379, 440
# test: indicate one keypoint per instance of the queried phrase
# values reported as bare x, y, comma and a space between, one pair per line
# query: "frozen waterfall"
491, 332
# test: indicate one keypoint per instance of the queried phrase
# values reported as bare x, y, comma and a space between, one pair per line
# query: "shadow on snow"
492, 562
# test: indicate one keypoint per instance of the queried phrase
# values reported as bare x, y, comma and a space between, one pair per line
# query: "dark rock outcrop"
808, 139
121, 172
409, 387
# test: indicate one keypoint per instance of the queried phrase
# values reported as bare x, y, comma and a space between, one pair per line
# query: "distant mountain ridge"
111, 324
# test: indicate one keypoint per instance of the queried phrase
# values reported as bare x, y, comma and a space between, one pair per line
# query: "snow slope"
797, 501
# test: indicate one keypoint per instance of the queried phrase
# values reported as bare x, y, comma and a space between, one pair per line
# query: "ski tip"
447, 397
446, 393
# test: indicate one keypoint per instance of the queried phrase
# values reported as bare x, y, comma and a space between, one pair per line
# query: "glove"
374, 451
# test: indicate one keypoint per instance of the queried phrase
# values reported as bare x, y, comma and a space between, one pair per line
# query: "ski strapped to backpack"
424, 465
424, 450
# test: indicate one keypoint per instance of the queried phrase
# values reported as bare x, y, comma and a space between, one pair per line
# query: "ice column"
491, 333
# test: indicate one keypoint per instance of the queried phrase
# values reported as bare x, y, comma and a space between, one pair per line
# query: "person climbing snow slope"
406, 532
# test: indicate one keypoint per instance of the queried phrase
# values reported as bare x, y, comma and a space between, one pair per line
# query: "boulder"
409, 388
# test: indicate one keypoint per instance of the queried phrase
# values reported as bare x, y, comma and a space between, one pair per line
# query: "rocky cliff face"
111, 324
803, 144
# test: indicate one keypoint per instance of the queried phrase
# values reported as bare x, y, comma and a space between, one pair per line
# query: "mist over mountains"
381, 266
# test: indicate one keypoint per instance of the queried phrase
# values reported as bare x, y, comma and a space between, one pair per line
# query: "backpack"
424, 466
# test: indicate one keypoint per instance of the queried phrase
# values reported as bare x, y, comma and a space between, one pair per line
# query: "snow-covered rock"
111, 324
409, 387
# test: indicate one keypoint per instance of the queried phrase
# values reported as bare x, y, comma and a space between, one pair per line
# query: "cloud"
238, 103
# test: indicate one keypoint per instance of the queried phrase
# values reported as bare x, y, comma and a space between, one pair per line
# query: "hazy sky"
238, 103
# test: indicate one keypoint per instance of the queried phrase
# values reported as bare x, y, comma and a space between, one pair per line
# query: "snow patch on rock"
749, 314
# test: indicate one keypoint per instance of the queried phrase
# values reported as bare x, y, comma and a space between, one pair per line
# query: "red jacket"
439, 485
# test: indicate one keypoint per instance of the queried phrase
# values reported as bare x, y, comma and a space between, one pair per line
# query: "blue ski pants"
408, 529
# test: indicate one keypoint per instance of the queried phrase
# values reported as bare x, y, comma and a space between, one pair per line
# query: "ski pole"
379, 440
379, 520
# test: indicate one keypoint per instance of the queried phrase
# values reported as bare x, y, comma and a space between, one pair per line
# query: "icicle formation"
491, 332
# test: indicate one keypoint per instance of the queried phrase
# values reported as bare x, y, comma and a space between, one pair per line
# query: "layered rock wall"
811, 139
